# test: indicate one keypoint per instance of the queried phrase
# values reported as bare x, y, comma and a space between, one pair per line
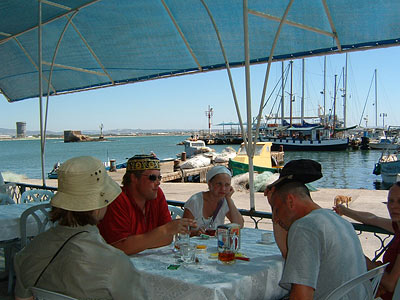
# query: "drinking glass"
227, 247
210, 229
187, 252
180, 238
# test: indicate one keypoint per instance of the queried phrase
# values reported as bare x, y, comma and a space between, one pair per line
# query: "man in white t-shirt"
323, 250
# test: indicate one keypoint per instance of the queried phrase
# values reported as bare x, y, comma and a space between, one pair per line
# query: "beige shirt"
86, 268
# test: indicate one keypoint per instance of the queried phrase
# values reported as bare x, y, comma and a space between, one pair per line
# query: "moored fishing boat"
307, 139
264, 159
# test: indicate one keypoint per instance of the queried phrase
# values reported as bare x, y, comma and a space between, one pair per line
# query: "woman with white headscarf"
210, 208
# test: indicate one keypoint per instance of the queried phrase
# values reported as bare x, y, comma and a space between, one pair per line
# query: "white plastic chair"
7, 188
40, 214
41, 294
370, 280
9, 244
5, 199
396, 293
37, 195
175, 211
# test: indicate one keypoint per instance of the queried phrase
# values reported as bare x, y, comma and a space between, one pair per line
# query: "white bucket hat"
84, 185
217, 170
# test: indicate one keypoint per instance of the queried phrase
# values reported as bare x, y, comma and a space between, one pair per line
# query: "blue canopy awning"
98, 43
111, 42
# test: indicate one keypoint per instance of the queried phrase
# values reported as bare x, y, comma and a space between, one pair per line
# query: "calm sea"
343, 169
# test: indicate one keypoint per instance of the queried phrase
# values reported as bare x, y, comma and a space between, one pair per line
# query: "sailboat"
306, 136
383, 139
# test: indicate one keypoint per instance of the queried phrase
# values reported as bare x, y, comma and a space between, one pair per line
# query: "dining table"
255, 276
10, 219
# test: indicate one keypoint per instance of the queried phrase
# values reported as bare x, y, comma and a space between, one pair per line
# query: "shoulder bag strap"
217, 210
54, 256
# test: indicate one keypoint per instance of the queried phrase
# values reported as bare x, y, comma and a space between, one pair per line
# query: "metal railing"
383, 235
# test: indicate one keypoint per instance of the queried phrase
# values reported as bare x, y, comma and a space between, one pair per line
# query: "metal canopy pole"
42, 135
250, 145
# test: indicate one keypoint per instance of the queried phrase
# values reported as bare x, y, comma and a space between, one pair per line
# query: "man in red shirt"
139, 218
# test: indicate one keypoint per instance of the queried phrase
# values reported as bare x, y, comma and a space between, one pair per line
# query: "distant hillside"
12, 132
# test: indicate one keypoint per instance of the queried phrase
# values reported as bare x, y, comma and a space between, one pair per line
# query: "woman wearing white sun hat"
210, 208
72, 258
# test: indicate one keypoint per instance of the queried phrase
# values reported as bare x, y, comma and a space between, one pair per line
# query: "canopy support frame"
291, 23
53, 64
31, 60
91, 50
182, 35
47, 22
227, 69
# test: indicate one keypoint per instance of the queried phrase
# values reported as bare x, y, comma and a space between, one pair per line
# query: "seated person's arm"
233, 215
188, 215
389, 280
364, 217
301, 292
158, 237
280, 235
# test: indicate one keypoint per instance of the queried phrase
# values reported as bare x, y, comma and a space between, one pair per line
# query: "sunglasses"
153, 177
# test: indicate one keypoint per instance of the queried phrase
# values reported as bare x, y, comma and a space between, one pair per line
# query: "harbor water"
351, 169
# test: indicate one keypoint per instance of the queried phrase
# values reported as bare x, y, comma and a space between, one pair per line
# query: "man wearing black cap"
139, 218
323, 250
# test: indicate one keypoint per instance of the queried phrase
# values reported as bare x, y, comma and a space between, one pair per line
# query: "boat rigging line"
366, 100
286, 73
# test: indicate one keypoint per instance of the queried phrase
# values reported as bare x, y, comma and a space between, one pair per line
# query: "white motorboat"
388, 167
194, 147
384, 143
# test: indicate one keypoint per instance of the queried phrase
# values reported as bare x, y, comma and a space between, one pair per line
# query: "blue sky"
181, 102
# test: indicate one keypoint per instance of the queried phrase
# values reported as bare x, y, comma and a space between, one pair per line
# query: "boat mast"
302, 93
376, 99
344, 102
324, 92
291, 93
345, 94
283, 94
334, 107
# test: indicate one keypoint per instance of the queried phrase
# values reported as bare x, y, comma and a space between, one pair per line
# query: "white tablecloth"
254, 279
9, 220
